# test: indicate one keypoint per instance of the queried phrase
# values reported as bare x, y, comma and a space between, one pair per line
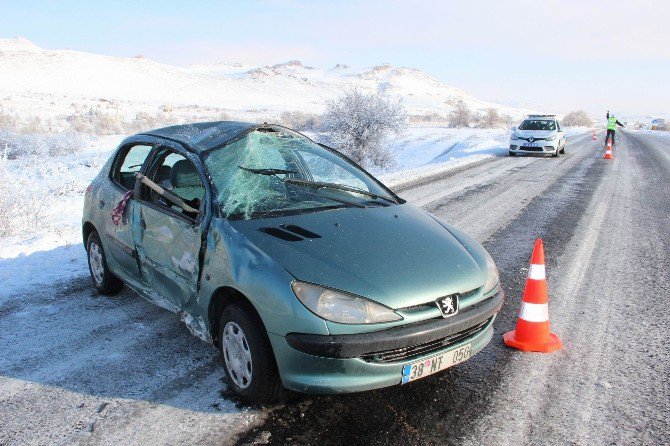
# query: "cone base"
608, 157
554, 343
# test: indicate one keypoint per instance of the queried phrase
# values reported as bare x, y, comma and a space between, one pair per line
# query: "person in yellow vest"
612, 122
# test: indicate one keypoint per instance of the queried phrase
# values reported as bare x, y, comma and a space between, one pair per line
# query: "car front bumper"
521, 146
351, 363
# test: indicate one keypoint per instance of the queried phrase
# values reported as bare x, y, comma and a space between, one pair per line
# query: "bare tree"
577, 118
359, 123
461, 115
490, 119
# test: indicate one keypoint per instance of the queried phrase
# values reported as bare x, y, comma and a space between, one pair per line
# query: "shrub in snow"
7, 121
577, 118
23, 204
429, 119
17, 145
359, 123
32, 191
300, 121
460, 116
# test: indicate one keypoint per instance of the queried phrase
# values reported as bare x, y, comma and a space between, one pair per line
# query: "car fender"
233, 261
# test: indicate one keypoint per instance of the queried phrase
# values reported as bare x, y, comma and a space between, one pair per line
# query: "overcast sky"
560, 55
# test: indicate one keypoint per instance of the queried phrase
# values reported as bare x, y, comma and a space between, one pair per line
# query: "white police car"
538, 134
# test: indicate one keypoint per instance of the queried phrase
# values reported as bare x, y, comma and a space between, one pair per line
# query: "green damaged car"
304, 270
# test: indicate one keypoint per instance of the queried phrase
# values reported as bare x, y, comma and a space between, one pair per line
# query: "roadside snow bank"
654, 133
427, 151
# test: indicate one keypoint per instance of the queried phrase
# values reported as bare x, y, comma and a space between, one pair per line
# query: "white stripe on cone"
534, 312
536, 272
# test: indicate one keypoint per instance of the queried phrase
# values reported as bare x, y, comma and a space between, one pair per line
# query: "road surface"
77, 368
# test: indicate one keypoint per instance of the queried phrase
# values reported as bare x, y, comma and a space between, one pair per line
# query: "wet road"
78, 368
606, 227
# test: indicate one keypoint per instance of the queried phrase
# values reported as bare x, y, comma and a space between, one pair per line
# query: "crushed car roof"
202, 136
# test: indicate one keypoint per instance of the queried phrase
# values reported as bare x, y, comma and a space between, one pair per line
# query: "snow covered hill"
55, 83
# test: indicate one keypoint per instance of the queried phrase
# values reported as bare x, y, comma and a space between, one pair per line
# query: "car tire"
563, 150
555, 154
104, 281
512, 153
248, 360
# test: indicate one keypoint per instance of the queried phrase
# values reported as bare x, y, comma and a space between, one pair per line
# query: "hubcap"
237, 355
95, 260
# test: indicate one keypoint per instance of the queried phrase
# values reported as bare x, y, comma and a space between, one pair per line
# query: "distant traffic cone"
608, 152
595, 135
532, 327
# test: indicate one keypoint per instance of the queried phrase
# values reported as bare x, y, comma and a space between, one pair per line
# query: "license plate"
530, 144
421, 369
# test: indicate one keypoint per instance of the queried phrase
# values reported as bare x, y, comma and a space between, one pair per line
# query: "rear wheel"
105, 282
248, 361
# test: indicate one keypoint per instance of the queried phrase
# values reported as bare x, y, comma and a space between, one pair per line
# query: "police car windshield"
538, 124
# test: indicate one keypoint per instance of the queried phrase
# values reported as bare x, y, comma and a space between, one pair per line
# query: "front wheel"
563, 150
512, 153
555, 154
248, 361
105, 282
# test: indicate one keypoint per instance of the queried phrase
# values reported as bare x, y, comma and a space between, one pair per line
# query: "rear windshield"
538, 124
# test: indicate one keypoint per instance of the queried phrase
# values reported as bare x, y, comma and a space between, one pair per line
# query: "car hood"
398, 256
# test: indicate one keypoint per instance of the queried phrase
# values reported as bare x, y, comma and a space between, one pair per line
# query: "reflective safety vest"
611, 123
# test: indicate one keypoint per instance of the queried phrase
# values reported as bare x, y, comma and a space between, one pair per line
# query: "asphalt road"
78, 368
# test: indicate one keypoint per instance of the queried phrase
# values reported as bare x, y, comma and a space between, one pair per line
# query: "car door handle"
143, 224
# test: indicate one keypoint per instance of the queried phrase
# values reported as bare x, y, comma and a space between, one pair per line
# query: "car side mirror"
513, 128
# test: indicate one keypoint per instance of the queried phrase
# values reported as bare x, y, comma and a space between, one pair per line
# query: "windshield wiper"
274, 172
324, 185
336, 200
268, 172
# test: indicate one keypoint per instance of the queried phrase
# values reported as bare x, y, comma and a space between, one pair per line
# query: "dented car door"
168, 238
168, 249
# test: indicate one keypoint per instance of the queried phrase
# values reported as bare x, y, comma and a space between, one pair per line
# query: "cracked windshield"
272, 172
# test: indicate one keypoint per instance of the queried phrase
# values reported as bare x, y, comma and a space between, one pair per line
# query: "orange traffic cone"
608, 152
532, 327
595, 135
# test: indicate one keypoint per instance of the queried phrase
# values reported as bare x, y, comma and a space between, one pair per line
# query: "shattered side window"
270, 172
130, 163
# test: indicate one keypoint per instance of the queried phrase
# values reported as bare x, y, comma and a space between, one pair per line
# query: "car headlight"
551, 138
493, 276
514, 136
340, 307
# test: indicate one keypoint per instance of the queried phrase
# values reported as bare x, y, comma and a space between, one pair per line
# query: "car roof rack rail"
541, 116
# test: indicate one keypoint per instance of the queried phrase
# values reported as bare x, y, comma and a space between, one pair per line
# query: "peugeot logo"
448, 305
